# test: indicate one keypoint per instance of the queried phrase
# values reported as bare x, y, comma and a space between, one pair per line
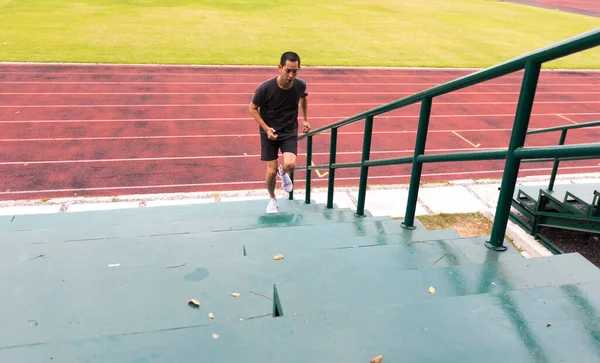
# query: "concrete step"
145, 228
128, 216
545, 324
216, 228
228, 247
126, 299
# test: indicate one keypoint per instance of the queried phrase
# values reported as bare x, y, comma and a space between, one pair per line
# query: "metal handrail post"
291, 196
417, 167
364, 170
511, 168
332, 157
308, 171
563, 137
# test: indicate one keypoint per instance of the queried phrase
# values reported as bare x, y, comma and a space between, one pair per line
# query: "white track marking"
310, 72
261, 182
230, 135
566, 118
250, 93
204, 157
219, 119
311, 105
311, 83
217, 157
257, 67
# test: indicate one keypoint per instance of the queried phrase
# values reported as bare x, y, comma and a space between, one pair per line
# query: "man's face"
288, 72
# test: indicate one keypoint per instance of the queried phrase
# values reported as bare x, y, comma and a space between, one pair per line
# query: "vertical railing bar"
511, 168
417, 167
364, 170
563, 137
308, 172
332, 158
291, 196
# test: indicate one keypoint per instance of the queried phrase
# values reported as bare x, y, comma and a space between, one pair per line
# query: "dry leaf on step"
278, 257
211, 315
194, 303
235, 294
377, 359
431, 290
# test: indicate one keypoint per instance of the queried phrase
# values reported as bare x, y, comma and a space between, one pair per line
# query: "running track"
586, 7
89, 130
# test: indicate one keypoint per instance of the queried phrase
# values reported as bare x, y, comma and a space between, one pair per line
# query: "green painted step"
154, 297
163, 251
335, 291
584, 191
151, 214
166, 231
494, 327
585, 199
279, 220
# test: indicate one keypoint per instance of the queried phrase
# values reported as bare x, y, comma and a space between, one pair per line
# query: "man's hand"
306, 127
271, 134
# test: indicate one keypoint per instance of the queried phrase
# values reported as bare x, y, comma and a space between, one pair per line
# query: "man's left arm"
304, 104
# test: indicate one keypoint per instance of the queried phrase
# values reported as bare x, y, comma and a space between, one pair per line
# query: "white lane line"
260, 182
245, 155
312, 93
160, 137
338, 84
566, 118
98, 138
246, 68
217, 74
206, 157
220, 119
305, 73
311, 105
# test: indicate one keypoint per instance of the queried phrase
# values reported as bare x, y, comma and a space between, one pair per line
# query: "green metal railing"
563, 137
531, 63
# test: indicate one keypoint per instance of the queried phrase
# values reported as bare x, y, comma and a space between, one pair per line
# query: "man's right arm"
270, 131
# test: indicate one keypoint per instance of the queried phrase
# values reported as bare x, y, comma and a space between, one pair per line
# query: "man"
275, 108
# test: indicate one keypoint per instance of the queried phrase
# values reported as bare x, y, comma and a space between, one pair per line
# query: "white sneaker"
286, 182
272, 206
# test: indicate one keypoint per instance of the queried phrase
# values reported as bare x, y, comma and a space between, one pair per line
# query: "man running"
275, 108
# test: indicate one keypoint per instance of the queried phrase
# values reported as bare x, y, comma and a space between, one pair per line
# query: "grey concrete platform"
463, 196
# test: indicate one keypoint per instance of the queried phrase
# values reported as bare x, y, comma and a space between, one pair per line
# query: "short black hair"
289, 56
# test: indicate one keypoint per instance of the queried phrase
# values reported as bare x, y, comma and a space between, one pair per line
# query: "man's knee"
271, 170
289, 166
289, 161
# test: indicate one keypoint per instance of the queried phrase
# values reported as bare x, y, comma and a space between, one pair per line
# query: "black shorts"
269, 148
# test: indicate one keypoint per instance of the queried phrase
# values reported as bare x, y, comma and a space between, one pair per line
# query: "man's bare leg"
289, 163
271, 177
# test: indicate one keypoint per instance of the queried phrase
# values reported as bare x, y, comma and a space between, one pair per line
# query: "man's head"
288, 68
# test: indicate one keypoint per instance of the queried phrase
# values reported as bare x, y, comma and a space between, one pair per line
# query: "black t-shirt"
278, 107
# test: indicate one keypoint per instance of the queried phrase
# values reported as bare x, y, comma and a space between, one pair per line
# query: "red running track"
90, 130
585, 7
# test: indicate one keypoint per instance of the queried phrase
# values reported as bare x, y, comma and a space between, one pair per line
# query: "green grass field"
420, 33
